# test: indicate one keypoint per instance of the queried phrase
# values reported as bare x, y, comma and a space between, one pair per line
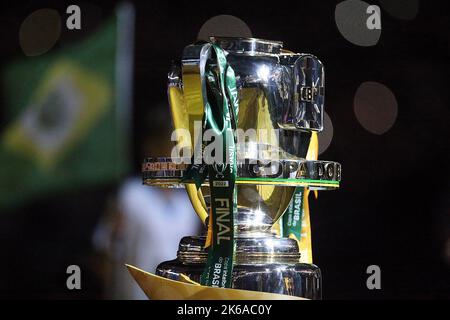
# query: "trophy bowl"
281, 98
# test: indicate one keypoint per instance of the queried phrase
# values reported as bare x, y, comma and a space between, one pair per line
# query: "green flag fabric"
66, 113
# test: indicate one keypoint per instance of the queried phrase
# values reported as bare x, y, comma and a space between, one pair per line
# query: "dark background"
393, 206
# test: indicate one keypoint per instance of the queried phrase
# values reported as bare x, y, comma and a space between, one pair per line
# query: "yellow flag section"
67, 115
69, 101
159, 288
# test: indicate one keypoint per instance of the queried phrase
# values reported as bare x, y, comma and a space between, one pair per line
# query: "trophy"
265, 104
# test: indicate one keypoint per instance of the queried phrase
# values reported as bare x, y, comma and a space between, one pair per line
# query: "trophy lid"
249, 46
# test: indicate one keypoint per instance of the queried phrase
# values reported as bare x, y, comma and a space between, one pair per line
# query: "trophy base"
265, 264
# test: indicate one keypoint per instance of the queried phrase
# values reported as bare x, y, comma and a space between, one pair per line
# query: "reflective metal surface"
292, 83
249, 46
271, 196
263, 262
267, 264
281, 96
320, 171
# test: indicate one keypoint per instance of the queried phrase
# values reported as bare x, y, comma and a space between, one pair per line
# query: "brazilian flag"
67, 115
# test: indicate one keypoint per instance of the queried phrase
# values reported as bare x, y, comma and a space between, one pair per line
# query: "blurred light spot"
447, 252
351, 20
39, 31
226, 26
375, 107
326, 135
401, 9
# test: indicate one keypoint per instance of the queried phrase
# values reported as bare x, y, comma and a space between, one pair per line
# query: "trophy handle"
180, 119
197, 200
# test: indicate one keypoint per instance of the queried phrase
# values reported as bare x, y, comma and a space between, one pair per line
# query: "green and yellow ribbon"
220, 115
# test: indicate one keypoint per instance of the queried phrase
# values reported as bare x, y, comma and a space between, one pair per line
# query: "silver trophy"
281, 101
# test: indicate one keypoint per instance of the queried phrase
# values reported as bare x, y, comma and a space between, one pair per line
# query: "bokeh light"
351, 20
224, 25
40, 31
326, 135
375, 107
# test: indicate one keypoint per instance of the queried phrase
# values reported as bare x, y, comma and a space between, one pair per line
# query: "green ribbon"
292, 217
221, 108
